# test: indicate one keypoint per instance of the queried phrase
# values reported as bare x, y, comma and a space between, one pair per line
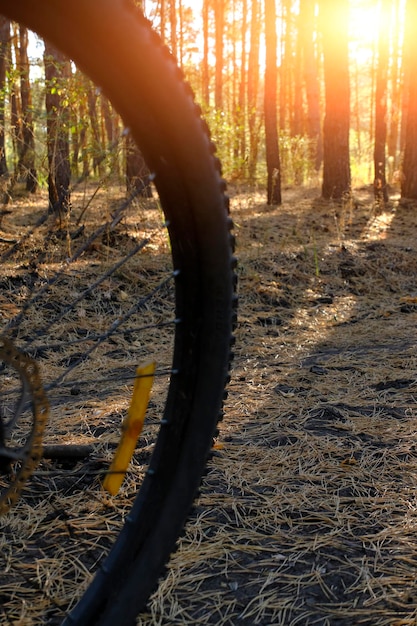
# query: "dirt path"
309, 511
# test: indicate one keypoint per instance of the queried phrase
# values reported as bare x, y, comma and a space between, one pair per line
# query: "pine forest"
288, 89
208, 308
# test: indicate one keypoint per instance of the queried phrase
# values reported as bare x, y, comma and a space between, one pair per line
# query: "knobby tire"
113, 43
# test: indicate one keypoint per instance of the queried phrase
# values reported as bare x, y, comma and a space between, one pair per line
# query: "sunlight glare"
367, 19
363, 31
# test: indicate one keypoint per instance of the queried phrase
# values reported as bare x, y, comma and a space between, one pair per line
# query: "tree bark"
4, 57
173, 26
137, 173
380, 183
219, 49
395, 103
336, 165
285, 69
26, 163
96, 145
252, 88
205, 74
308, 34
239, 86
409, 178
270, 106
57, 72
15, 108
162, 17
297, 119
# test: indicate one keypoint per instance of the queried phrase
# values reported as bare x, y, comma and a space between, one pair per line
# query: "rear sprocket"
21, 433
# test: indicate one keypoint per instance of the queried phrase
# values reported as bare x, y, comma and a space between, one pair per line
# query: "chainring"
31, 452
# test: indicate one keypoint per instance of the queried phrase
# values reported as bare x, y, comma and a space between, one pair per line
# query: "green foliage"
297, 156
361, 157
225, 133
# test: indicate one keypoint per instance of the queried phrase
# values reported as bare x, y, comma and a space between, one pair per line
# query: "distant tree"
254, 119
406, 77
273, 164
334, 18
111, 123
380, 183
15, 107
57, 71
239, 10
162, 17
395, 81
308, 36
286, 66
137, 173
26, 163
409, 179
97, 147
219, 22
4, 57
180, 30
173, 25
205, 78
79, 125
297, 118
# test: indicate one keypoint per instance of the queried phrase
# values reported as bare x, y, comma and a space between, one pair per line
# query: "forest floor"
308, 514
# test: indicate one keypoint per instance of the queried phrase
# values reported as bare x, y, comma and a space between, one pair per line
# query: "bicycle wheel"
188, 292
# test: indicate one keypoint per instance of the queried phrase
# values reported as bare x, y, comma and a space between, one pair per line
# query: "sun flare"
368, 21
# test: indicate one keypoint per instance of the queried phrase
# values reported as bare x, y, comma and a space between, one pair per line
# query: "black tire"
112, 42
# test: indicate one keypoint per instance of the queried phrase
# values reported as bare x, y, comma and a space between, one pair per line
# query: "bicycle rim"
187, 291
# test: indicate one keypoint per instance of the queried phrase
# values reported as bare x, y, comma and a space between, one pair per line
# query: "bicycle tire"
113, 43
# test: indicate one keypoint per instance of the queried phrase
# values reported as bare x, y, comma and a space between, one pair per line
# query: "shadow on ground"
308, 514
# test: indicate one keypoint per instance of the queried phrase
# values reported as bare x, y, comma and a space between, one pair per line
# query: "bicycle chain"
28, 371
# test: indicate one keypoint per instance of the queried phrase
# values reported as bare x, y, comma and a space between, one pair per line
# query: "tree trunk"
297, 120
285, 70
180, 58
409, 178
96, 146
407, 77
173, 25
356, 113
239, 86
205, 75
57, 72
75, 141
162, 17
219, 49
15, 108
380, 183
4, 57
110, 120
137, 173
270, 106
395, 102
80, 151
253, 87
26, 164
336, 166
308, 34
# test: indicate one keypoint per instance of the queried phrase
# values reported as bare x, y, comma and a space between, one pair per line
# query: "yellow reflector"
131, 428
